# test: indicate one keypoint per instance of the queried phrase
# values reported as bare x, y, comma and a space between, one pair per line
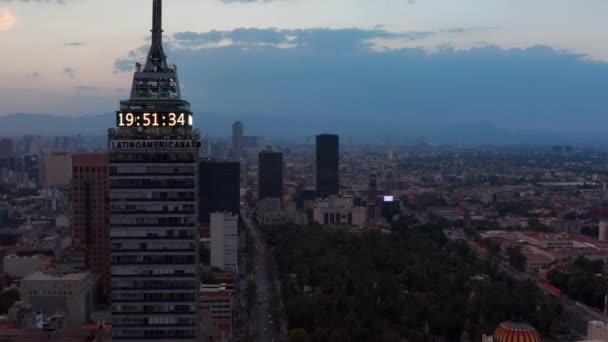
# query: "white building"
339, 211
270, 212
597, 331
225, 241
68, 295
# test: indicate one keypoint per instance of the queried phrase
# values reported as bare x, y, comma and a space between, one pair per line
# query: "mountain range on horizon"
293, 130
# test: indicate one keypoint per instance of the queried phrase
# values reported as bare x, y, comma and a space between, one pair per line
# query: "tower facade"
153, 157
270, 175
219, 188
328, 165
238, 131
90, 214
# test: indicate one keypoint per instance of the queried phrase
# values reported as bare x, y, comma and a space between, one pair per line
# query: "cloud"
74, 44
86, 88
7, 20
249, 1
252, 37
69, 72
60, 2
34, 76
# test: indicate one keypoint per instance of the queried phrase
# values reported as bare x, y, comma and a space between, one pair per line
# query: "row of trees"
584, 286
411, 284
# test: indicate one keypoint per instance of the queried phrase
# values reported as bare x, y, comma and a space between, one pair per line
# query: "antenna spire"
157, 61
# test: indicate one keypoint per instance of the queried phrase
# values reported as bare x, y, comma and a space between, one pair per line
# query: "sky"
518, 64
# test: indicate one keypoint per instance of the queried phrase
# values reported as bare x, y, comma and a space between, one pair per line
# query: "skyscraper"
270, 175
6, 148
219, 188
90, 213
153, 206
237, 140
328, 165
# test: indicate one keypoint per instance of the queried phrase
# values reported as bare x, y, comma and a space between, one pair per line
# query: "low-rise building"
597, 331
339, 211
70, 295
535, 262
9, 332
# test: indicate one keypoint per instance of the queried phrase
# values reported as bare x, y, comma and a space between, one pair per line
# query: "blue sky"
534, 64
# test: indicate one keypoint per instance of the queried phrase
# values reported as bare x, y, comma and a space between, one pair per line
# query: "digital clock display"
153, 119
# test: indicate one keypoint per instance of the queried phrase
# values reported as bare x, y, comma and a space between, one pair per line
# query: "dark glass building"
270, 175
328, 165
219, 188
31, 166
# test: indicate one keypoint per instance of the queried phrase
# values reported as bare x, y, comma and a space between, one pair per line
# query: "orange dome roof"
516, 332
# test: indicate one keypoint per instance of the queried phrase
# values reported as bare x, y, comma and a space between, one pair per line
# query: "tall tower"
153, 156
218, 188
237, 140
270, 174
90, 214
328, 165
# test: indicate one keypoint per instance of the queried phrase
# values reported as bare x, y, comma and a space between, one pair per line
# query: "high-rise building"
237, 140
6, 148
154, 239
328, 165
31, 166
57, 169
224, 241
57, 143
65, 143
90, 214
27, 143
219, 188
270, 173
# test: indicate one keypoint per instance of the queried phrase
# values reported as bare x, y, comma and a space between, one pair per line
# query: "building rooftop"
65, 335
42, 276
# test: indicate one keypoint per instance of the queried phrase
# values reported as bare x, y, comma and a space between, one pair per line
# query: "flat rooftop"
41, 276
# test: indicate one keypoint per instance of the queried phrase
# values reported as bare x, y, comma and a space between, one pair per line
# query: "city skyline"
429, 59
347, 170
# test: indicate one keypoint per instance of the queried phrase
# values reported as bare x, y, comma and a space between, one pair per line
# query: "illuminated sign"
153, 119
152, 145
389, 198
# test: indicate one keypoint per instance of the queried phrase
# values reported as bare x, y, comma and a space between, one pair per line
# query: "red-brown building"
90, 213
217, 306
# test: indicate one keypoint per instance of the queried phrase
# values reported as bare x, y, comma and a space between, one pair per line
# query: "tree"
583, 264
516, 258
252, 295
249, 199
389, 287
7, 299
298, 335
491, 246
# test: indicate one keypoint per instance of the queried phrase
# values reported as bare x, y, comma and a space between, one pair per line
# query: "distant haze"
296, 130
